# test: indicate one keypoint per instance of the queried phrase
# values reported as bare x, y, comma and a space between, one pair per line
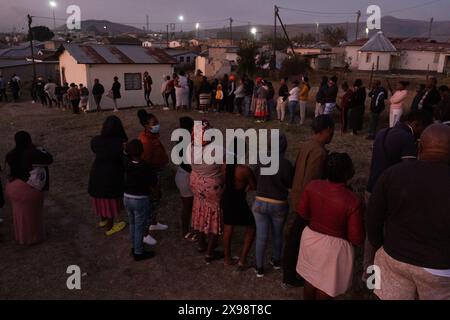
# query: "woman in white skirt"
182, 91
397, 100
334, 213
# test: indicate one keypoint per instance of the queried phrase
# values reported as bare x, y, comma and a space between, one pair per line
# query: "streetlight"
254, 31
367, 32
181, 18
53, 5
317, 32
197, 27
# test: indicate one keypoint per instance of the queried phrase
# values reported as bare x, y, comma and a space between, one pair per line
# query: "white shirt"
293, 94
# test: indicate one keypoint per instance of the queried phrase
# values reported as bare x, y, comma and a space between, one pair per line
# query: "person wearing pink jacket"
397, 100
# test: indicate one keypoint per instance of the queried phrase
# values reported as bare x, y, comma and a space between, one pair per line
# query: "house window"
436, 57
181, 59
368, 57
188, 59
133, 81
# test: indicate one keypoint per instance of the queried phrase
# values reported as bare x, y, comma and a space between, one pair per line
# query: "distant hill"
391, 26
98, 26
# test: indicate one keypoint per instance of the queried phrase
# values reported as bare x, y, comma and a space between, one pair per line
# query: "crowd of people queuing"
402, 222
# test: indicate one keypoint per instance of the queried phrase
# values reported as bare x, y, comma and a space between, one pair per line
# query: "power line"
317, 12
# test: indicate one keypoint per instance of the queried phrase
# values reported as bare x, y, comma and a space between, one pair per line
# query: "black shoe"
143, 256
297, 283
259, 272
276, 264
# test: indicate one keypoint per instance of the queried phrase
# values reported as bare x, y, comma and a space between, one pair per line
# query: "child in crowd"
139, 179
155, 156
219, 97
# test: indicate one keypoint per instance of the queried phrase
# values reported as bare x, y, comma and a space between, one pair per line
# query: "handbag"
38, 177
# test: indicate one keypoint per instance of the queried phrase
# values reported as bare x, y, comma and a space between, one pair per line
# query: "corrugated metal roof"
378, 43
8, 63
117, 54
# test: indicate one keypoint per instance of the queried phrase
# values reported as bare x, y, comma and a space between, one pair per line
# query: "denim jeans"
138, 219
247, 106
374, 119
292, 106
271, 107
269, 216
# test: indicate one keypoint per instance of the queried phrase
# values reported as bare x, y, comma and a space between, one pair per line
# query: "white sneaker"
165, 108
116, 110
150, 240
159, 227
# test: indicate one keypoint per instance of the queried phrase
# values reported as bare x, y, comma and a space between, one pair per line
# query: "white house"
183, 57
378, 53
174, 44
83, 63
401, 54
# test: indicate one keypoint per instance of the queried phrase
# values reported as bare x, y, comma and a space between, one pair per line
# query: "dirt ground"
178, 271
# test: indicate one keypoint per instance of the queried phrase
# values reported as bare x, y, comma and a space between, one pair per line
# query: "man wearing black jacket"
408, 219
431, 96
378, 95
331, 93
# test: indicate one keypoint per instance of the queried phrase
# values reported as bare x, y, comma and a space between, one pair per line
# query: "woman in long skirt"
28, 179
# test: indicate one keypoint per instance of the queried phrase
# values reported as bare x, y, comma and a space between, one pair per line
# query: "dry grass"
178, 271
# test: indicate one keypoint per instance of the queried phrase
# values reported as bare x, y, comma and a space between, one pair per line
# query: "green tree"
246, 58
293, 66
334, 35
41, 33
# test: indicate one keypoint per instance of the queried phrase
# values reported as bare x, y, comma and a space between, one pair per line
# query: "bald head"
435, 144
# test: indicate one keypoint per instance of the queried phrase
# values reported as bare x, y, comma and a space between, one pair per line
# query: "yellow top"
304, 93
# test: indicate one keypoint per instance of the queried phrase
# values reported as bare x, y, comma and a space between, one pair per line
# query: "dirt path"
178, 271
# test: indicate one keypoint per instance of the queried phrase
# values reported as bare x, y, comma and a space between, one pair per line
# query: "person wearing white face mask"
156, 157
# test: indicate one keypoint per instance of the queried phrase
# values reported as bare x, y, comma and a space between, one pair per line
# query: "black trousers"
291, 249
75, 106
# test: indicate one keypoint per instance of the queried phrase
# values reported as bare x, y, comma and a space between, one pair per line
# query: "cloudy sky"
211, 13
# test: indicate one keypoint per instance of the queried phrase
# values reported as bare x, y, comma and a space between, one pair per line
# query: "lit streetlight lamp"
53, 5
197, 28
367, 32
254, 31
181, 18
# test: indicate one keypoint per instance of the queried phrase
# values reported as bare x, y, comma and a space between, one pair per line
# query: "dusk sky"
211, 13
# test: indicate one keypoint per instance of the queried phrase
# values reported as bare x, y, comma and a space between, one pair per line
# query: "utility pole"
168, 37
285, 32
231, 31
431, 27
148, 23
274, 47
346, 30
30, 35
358, 16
